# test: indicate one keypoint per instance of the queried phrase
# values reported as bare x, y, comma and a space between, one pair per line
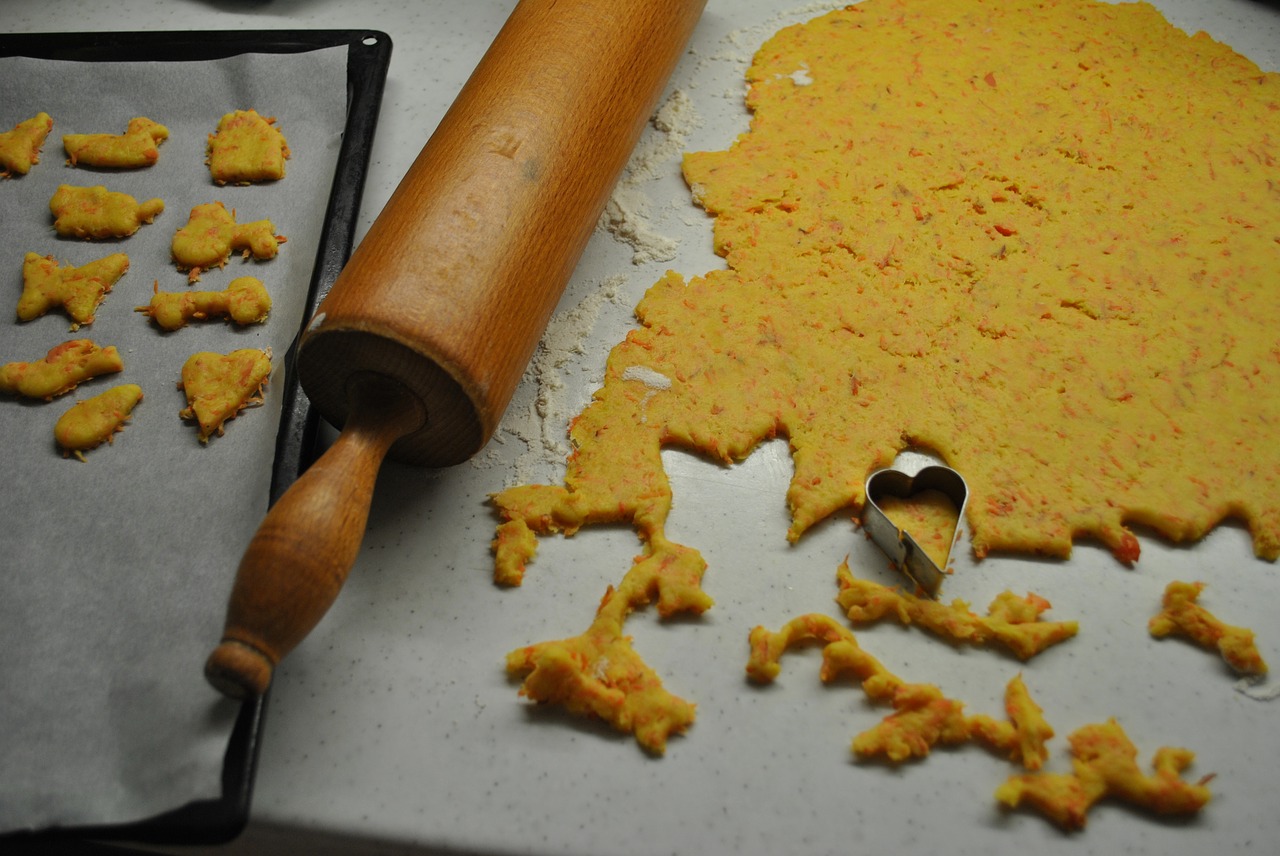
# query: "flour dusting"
628, 213
542, 424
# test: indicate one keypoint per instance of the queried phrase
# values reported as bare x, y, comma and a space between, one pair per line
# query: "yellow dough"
137, 147
923, 716
969, 227
244, 301
95, 212
60, 371
77, 290
1184, 616
211, 234
219, 386
90, 423
1105, 764
598, 673
1024, 736
1011, 621
20, 148
930, 517
247, 148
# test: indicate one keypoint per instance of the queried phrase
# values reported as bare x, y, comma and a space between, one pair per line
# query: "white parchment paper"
114, 573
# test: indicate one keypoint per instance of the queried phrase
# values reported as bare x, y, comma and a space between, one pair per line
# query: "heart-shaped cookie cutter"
907, 555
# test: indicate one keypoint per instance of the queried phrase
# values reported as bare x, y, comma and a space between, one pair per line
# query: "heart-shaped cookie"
901, 546
219, 386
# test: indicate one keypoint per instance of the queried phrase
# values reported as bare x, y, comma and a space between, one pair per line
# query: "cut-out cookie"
60, 371
20, 148
211, 234
77, 290
244, 301
137, 147
219, 386
95, 212
247, 148
94, 421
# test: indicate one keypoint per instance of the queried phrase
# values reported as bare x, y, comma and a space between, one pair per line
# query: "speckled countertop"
393, 729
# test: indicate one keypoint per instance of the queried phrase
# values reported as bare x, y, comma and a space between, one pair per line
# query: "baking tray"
368, 56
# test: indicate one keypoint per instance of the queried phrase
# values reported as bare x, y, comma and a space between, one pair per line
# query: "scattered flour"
627, 215
541, 425
739, 46
649, 377
656, 381
1257, 689
801, 77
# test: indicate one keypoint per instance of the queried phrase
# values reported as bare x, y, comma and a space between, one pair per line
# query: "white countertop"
393, 729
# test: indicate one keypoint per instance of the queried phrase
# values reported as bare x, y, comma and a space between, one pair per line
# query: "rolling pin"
419, 345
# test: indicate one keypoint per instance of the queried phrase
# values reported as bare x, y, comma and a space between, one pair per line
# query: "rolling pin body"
421, 342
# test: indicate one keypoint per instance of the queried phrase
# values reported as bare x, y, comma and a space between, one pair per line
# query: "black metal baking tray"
219, 820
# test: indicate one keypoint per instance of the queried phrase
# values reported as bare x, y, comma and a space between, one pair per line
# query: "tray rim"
221, 819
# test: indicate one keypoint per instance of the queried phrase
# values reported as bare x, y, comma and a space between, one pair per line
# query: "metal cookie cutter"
902, 549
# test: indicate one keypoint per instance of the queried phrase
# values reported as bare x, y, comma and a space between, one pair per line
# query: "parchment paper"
116, 571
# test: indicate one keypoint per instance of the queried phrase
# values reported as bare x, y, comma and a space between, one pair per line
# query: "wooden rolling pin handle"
297, 562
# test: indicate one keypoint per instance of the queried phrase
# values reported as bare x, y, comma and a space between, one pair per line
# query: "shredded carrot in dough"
245, 301
76, 290
1183, 616
20, 148
219, 386
840, 654
247, 148
137, 147
1011, 621
923, 717
514, 545
94, 421
1024, 736
61, 370
211, 234
1105, 764
931, 519
599, 673
95, 212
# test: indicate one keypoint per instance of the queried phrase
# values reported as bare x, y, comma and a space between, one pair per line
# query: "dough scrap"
923, 717
598, 673
1184, 616
247, 148
61, 370
20, 148
76, 290
1011, 621
219, 386
1104, 762
94, 421
211, 234
841, 654
1024, 736
95, 212
245, 301
514, 544
137, 147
